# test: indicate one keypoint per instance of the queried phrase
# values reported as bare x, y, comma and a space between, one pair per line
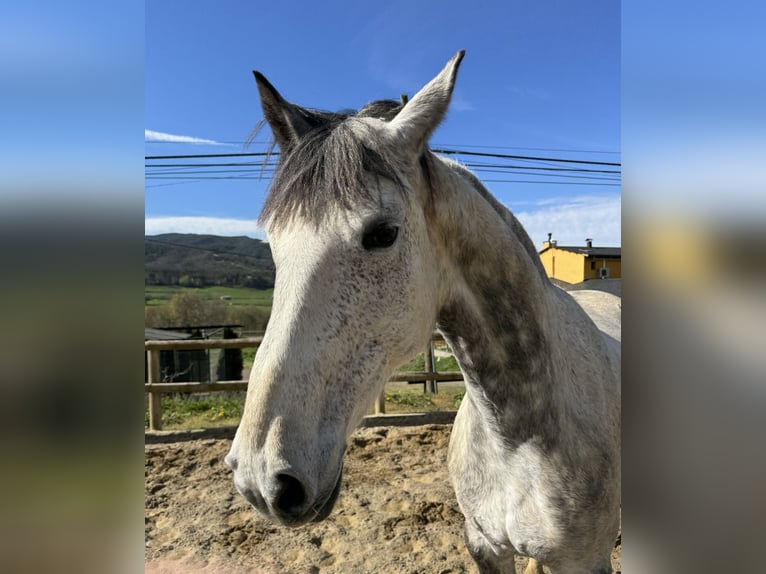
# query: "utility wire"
532, 148
485, 154
199, 155
437, 150
477, 165
550, 182
266, 142
174, 168
589, 183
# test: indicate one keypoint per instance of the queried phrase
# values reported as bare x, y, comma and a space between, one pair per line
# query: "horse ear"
287, 121
423, 113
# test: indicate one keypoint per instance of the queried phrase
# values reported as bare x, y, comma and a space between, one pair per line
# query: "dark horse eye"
380, 236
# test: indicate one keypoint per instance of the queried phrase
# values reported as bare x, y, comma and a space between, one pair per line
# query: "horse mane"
505, 214
329, 166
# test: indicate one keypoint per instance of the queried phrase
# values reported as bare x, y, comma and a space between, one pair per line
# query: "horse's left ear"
422, 114
288, 122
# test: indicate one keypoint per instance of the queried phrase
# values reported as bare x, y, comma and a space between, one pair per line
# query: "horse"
378, 241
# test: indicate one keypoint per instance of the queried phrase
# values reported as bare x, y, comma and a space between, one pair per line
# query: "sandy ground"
396, 513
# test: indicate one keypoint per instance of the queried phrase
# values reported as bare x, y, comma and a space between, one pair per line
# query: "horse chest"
510, 497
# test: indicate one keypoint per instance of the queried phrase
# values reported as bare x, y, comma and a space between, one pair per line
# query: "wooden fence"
155, 387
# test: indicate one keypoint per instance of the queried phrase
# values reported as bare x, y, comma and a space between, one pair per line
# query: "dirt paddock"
396, 513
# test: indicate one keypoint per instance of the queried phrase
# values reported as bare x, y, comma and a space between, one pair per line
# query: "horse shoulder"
509, 495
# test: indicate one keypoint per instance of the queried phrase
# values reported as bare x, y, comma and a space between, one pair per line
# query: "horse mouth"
324, 508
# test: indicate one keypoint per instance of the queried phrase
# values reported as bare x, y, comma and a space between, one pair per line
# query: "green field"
417, 365
212, 410
156, 295
209, 410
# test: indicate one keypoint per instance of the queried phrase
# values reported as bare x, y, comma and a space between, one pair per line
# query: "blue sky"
539, 79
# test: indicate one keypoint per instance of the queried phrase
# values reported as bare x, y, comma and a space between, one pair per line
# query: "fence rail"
155, 388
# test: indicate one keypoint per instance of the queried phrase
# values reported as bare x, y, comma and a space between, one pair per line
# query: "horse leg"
485, 558
533, 567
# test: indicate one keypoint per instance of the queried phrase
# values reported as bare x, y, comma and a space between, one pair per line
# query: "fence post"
380, 403
155, 407
429, 367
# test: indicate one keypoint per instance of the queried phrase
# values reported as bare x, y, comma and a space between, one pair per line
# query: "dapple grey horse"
377, 241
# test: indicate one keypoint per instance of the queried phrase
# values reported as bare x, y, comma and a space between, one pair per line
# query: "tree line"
189, 308
193, 260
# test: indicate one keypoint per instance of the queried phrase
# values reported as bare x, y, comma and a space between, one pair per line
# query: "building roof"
588, 251
163, 335
176, 333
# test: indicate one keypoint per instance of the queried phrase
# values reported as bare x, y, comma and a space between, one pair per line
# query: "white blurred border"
694, 214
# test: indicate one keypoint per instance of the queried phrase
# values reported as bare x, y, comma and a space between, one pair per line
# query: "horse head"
356, 290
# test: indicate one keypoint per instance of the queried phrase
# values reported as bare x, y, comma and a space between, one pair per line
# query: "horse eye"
380, 236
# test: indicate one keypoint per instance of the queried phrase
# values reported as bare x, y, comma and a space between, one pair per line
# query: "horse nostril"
254, 498
231, 461
291, 496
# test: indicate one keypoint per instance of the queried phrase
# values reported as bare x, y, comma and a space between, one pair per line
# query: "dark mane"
328, 167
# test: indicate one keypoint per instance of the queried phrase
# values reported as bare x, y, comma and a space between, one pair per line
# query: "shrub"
251, 317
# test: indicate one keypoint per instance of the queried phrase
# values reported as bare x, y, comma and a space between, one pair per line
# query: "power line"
564, 175
266, 142
204, 174
550, 182
534, 148
202, 155
237, 164
508, 156
201, 177
436, 150
589, 172
471, 165
511, 166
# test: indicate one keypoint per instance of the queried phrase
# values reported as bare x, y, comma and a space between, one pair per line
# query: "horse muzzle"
285, 496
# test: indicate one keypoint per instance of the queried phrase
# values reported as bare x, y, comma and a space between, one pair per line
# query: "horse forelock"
330, 166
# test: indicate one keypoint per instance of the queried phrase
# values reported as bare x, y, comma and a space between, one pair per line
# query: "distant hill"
201, 260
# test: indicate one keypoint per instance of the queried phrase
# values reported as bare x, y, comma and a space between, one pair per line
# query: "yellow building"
574, 264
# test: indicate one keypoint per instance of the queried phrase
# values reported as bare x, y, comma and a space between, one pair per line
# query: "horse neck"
494, 304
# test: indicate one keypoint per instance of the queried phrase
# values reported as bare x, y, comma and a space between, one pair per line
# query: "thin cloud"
572, 220
203, 226
153, 136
